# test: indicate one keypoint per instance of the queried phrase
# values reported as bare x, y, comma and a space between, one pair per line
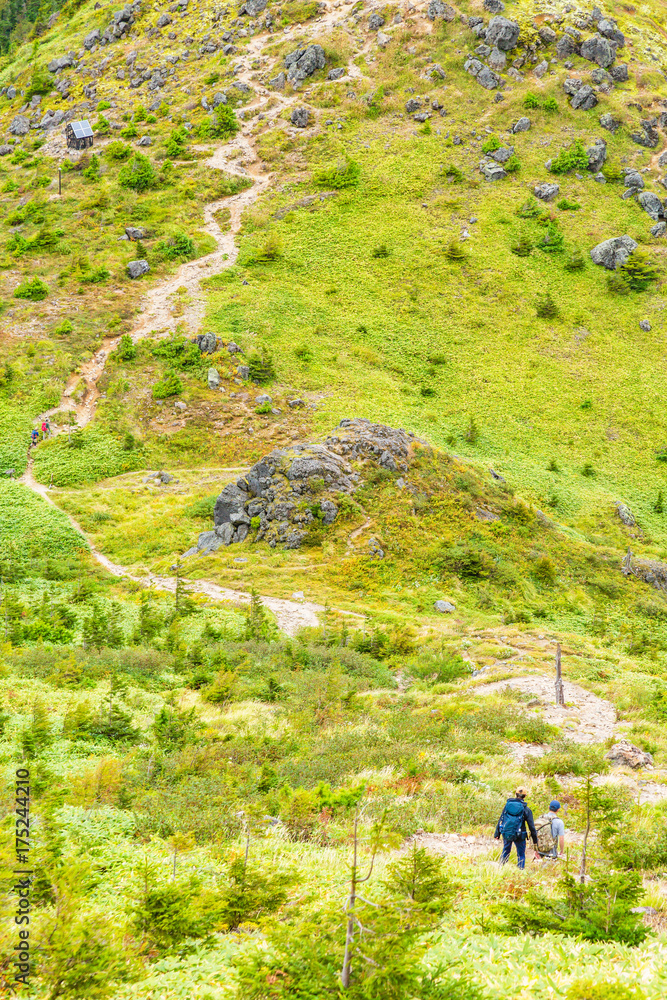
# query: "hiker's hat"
554, 805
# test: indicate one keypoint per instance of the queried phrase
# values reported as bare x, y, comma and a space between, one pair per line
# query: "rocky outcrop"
627, 754
292, 490
651, 571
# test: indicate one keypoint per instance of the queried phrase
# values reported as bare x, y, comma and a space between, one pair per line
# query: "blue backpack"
511, 821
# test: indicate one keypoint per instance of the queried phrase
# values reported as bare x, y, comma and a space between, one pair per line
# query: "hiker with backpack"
551, 832
512, 827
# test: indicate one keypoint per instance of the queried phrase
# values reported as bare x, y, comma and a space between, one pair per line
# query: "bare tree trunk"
349, 935
560, 693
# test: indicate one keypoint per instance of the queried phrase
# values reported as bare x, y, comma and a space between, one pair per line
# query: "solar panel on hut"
79, 135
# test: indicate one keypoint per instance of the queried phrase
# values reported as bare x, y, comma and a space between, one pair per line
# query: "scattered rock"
376, 21
234, 348
494, 6
337, 73
565, 47
492, 170
300, 117
634, 180
625, 514
651, 204
584, 99
437, 8
444, 607
546, 191
608, 122
302, 63
541, 69
253, 7
657, 230
597, 155
609, 29
598, 50
619, 74
278, 82
613, 252
547, 35
92, 38
263, 398
213, 378
487, 78
647, 136
206, 342
627, 754
497, 60
20, 125
136, 268
295, 404
502, 33
645, 327
61, 62
523, 125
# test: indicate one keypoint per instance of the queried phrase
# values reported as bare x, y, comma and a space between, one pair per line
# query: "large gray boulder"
651, 205
523, 125
302, 63
597, 155
20, 125
137, 268
614, 252
598, 50
619, 74
627, 754
375, 22
584, 99
502, 33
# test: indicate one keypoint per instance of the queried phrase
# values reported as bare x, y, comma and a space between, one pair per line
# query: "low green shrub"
344, 174
138, 174
573, 158
32, 288
169, 385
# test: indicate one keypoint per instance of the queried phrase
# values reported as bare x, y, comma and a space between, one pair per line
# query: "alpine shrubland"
270, 766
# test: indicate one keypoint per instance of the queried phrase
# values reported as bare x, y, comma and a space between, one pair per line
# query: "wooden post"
560, 694
60, 179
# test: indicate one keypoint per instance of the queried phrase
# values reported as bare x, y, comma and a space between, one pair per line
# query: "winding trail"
237, 157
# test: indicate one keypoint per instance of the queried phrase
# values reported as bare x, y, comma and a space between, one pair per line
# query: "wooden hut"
79, 135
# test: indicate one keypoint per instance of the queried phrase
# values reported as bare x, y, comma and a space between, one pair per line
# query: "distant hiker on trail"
551, 832
34, 437
44, 429
48, 426
512, 827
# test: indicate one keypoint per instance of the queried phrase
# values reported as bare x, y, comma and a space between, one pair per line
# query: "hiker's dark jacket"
527, 819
